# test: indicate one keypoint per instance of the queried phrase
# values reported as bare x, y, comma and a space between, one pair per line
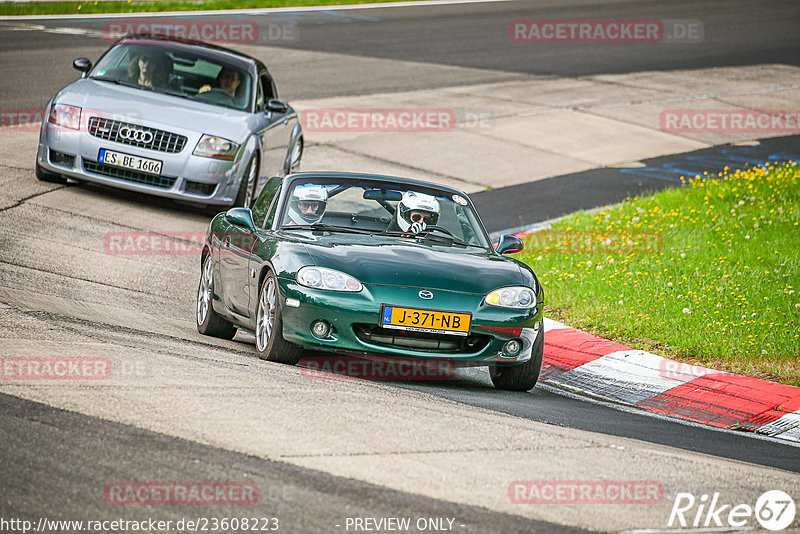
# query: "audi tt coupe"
173, 118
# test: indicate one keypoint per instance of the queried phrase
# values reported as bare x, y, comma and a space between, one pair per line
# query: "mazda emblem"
138, 136
425, 294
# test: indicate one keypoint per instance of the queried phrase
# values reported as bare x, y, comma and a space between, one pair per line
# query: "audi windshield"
177, 71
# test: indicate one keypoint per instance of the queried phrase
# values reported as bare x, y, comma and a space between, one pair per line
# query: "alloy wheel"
204, 292
265, 319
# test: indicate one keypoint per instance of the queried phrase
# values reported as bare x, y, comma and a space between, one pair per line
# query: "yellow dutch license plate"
435, 322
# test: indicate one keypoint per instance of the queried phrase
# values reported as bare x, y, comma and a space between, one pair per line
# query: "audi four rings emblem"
139, 136
425, 294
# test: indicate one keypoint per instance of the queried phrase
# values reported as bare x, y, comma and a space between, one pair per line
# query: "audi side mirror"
277, 105
82, 64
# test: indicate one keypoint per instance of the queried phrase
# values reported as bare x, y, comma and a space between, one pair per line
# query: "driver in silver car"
228, 80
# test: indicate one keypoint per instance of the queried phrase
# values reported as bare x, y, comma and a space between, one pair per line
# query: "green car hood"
452, 268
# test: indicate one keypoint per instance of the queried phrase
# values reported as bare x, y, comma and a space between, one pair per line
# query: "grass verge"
139, 6
706, 273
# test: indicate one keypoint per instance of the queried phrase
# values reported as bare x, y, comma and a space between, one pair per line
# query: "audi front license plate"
126, 161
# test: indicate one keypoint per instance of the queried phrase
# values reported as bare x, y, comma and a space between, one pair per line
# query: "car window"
264, 202
266, 91
261, 103
177, 71
373, 206
273, 208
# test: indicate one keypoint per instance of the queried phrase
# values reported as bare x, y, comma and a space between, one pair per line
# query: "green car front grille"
422, 341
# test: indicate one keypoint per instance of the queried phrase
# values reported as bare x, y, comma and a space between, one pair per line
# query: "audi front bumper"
183, 176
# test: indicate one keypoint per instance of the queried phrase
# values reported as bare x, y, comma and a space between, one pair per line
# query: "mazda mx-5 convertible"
177, 119
371, 266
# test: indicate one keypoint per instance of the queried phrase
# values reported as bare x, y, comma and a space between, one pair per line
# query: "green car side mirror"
241, 217
509, 244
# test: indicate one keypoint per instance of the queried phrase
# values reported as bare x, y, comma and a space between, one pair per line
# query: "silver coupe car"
177, 119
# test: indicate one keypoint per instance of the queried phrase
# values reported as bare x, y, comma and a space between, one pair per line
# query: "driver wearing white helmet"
416, 211
308, 203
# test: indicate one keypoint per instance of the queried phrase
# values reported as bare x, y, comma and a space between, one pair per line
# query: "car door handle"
286, 120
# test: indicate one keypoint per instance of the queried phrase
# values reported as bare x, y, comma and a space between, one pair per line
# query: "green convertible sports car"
371, 266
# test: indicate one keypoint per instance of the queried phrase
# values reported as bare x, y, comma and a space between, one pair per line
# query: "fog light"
320, 329
512, 347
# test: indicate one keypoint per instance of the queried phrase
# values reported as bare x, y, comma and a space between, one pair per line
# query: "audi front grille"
135, 135
102, 169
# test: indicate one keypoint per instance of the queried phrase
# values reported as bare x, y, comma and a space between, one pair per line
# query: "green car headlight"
512, 297
215, 147
329, 279
66, 116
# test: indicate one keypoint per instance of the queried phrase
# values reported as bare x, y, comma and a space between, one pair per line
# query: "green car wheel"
520, 377
209, 322
269, 340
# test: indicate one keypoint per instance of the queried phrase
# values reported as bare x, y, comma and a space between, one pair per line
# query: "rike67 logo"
774, 510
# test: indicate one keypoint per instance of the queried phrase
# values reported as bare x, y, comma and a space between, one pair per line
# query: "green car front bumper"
354, 324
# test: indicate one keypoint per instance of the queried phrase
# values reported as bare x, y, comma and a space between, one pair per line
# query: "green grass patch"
139, 6
707, 273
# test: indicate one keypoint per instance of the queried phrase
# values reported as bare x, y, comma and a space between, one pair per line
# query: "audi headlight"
210, 146
512, 297
323, 278
66, 116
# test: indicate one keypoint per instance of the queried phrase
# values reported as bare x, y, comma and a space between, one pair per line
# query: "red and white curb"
603, 368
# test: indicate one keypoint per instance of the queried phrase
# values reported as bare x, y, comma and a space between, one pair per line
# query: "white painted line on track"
628, 375
786, 427
550, 324
252, 11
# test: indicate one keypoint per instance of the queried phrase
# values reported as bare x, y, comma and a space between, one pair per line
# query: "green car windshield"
358, 206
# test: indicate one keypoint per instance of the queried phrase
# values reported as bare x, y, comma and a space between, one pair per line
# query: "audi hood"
154, 109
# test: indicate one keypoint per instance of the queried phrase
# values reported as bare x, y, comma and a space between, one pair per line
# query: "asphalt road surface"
58, 291
472, 36
89, 451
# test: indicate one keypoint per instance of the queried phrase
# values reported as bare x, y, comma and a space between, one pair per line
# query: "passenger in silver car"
150, 69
